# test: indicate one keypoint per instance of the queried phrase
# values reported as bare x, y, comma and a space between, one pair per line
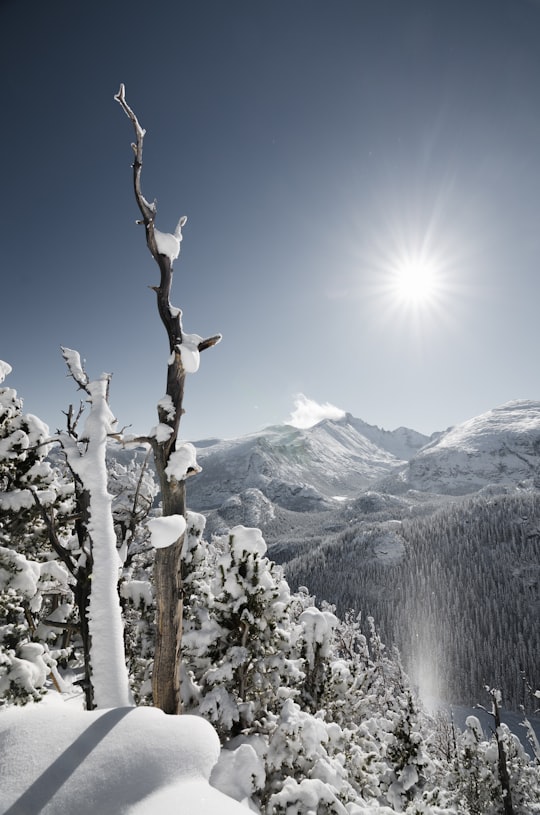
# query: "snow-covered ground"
57, 758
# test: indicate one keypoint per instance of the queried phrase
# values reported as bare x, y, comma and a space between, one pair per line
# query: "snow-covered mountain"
300, 469
402, 443
499, 447
312, 469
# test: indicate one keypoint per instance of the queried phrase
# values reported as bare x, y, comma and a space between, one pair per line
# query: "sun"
414, 281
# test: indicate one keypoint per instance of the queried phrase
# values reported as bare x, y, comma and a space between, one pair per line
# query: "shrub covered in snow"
328, 716
46, 555
31, 582
238, 637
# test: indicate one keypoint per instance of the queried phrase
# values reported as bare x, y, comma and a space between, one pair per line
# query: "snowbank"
54, 758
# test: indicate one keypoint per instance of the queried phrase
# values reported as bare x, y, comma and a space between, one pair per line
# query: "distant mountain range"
315, 468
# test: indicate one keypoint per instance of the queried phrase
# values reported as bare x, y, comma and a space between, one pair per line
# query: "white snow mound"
122, 760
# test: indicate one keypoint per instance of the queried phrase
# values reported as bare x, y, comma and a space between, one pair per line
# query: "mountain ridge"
338, 459
296, 468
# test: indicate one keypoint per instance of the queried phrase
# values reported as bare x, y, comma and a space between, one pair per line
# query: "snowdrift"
54, 758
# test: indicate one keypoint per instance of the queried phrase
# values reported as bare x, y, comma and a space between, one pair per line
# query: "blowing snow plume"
307, 412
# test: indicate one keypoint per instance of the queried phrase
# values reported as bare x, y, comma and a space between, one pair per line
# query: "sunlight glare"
414, 281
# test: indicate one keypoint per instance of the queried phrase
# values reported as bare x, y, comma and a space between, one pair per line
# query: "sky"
321, 152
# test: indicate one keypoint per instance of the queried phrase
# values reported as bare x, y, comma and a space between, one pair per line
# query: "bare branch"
135, 518
54, 540
210, 342
148, 211
71, 420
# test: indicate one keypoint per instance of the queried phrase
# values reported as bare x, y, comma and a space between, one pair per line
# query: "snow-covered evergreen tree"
317, 710
47, 537
33, 586
238, 635
481, 783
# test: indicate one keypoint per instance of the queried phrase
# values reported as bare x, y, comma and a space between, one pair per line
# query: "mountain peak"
298, 468
500, 446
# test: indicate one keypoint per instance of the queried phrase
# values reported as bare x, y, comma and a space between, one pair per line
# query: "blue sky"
313, 146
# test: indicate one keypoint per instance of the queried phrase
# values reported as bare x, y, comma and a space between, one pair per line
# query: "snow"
15, 500
239, 773
497, 447
22, 575
310, 792
19, 441
319, 629
245, 540
109, 671
182, 462
138, 591
167, 244
73, 361
162, 432
55, 758
197, 797
520, 417
166, 404
5, 369
166, 530
29, 669
297, 469
189, 351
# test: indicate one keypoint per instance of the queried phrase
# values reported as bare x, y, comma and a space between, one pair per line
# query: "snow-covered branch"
75, 367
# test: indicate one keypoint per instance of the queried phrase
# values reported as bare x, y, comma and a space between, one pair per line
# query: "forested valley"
457, 591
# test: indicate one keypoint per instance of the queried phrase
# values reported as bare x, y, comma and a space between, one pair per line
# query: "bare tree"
165, 248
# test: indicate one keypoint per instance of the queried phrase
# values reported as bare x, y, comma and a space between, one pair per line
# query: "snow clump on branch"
169, 244
183, 462
189, 351
166, 530
5, 369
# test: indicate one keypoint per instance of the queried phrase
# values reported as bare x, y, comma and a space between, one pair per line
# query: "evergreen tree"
33, 587
482, 784
238, 636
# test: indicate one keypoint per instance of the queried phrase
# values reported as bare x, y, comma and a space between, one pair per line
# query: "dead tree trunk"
504, 775
167, 566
